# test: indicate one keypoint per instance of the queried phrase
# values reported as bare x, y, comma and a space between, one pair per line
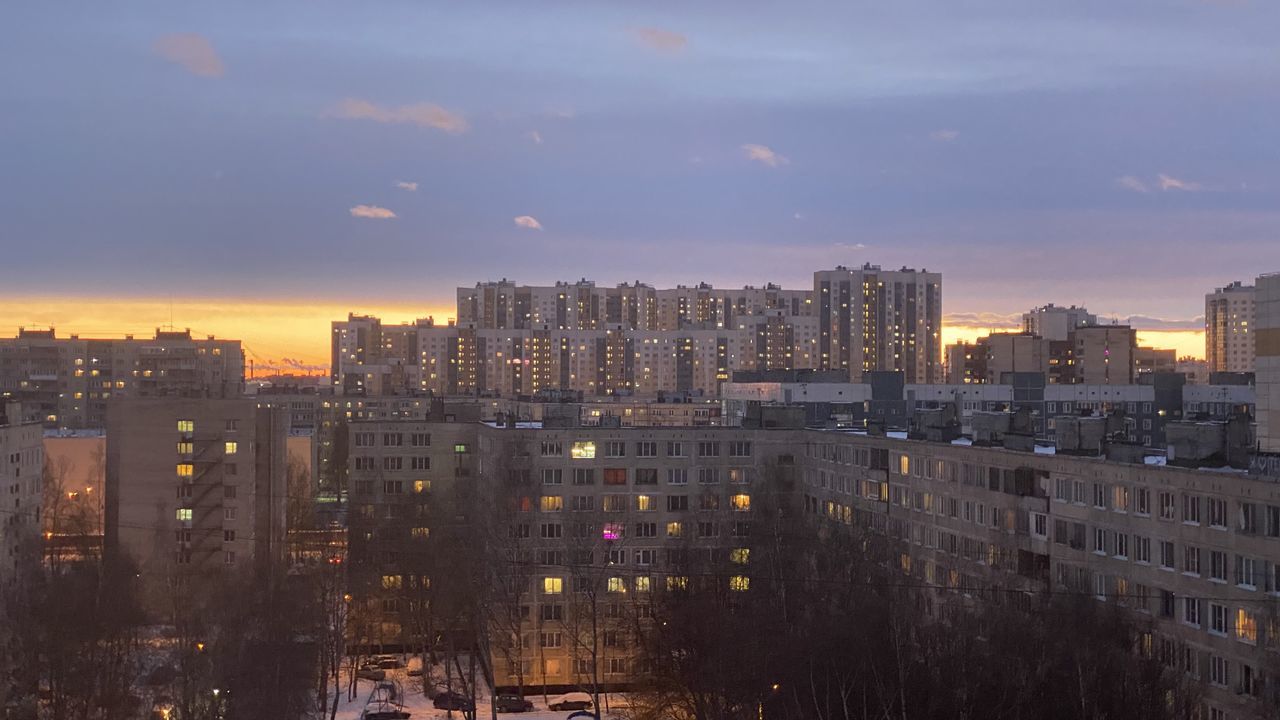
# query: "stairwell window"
231, 447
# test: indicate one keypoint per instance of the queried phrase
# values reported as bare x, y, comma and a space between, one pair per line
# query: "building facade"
194, 486
1268, 362
21, 486
67, 382
1228, 319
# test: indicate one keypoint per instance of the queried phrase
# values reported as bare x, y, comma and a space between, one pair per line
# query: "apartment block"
67, 382
1267, 350
627, 511
1228, 318
21, 487
1055, 323
195, 485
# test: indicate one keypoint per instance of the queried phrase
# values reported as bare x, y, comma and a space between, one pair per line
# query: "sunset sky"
255, 170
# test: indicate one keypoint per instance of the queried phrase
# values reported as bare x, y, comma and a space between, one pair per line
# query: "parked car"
387, 663
371, 672
570, 701
512, 703
452, 701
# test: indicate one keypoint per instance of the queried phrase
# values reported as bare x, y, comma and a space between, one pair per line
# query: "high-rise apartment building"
21, 487
1228, 328
1267, 349
195, 485
1055, 323
67, 382
871, 319
515, 340
1104, 354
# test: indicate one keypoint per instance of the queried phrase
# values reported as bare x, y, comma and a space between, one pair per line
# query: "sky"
261, 168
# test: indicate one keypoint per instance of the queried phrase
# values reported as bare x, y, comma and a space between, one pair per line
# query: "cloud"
528, 221
1129, 182
764, 154
535, 136
1145, 322
1172, 183
798, 216
424, 115
661, 40
944, 135
407, 185
983, 319
193, 52
372, 212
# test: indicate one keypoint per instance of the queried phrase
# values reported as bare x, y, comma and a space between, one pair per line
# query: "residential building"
21, 486
989, 358
195, 485
67, 382
1228, 320
1055, 323
1104, 354
1147, 360
1267, 349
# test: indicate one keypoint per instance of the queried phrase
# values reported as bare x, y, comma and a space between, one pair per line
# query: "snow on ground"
420, 708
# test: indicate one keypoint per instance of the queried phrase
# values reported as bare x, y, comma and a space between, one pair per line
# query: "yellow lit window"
552, 585
739, 555
185, 447
231, 447
643, 583
421, 532
392, 582
904, 465
645, 503
551, 503
79, 396
185, 470
677, 582
1246, 626
739, 583
186, 426
583, 450
184, 514
617, 585
675, 529
420, 486
740, 502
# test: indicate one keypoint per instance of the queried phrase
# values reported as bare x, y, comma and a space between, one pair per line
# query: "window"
552, 585
643, 583
1247, 574
549, 639
229, 492
1246, 627
551, 612
1191, 611
740, 502
364, 439
1167, 507
421, 486
184, 514
616, 666
1167, 602
739, 583
231, 425
646, 449
646, 503
708, 529
229, 513
675, 449
551, 476
1122, 545
550, 531
646, 476
461, 448
1166, 554
1273, 521
615, 448
392, 439
1142, 504
616, 585
552, 448
1218, 671
739, 556
614, 503
229, 557
420, 439
740, 448
1191, 509
708, 475
551, 666
1191, 560
709, 502
677, 476
393, 463
615, 476
613, 531
708, 448
185, 447
551, 503
1141, 549
230, 447
185, 470
421, 462
675, 529
677, 503
1217, 512
1099, 495
645, 557
584, 476
1217, 565
186, 426
1217, 619
228, 536
584, 503
646, 530
1120, 498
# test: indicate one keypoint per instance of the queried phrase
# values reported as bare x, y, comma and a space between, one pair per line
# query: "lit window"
740, 502
551, 503
231, 447
186, 426
184, 514
185, 470
552, 585
643, 583
461, 449
392, 582
739, 555
677, 582
1246, 627
583, 450
421, 485
185, 447
645, 503
675, 529
617, 585
739, 583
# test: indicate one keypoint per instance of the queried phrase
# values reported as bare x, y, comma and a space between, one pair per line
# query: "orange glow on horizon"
274, 332
1188, 343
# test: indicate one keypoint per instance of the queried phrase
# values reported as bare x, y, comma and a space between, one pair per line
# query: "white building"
1055, 323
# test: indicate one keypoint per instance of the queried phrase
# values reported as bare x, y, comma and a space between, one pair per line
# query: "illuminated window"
583, 450
552, 586
617, 585
739, 555
740, 502
186, 426
645, 503
739, 583
1246, 627
677, 582
551, 503
185, 470
392, 582
643, 583
904, 465
461, 449
421, 532
231, 447
184, 514
185, 447
675, 529
612, 531
420, 486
